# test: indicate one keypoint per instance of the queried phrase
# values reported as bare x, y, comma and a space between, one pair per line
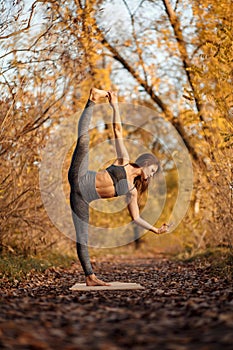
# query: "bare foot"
92, 280
96, 95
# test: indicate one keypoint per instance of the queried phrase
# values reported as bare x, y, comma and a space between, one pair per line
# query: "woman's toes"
97, 94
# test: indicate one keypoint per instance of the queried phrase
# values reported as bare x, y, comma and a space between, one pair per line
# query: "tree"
192, 43
47, 60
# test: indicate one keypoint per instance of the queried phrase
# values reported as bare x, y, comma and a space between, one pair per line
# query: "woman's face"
149, 171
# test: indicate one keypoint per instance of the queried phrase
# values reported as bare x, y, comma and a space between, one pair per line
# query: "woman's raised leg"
78, 168
79, 162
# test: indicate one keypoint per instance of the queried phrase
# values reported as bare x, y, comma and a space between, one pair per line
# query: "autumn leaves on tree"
174, 57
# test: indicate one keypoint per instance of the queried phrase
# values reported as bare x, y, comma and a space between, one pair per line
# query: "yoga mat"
114, 286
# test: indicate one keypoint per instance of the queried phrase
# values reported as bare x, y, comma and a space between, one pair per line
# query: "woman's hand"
92, 280
163, 229
112, 97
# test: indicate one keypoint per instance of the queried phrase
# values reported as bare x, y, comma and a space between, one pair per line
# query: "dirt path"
181, 308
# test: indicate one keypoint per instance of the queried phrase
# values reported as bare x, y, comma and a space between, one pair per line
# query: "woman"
121, 178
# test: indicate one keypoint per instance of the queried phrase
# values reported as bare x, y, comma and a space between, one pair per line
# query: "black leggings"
83, 190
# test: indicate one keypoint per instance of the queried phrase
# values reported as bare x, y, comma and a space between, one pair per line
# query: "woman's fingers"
164, 228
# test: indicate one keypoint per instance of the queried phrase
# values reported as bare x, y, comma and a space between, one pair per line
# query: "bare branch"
175, 23
39, 121
127, 6
139, 5
139, 51
18, 198
9, 87
176, 5
149, 89
40, 36
12, 51
23, 29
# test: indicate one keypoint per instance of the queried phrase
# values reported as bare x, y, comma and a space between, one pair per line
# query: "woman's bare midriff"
104, 185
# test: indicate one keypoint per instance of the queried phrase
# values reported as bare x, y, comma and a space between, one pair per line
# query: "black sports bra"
118, 175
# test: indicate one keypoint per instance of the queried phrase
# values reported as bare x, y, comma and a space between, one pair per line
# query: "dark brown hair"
145, 159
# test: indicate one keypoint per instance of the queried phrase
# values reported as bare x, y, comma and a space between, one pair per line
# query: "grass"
16, 268
220, 261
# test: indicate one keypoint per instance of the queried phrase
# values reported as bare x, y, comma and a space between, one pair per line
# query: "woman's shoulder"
121, 162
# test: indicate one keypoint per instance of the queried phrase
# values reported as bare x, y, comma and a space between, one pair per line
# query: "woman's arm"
121, 151
134, 213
